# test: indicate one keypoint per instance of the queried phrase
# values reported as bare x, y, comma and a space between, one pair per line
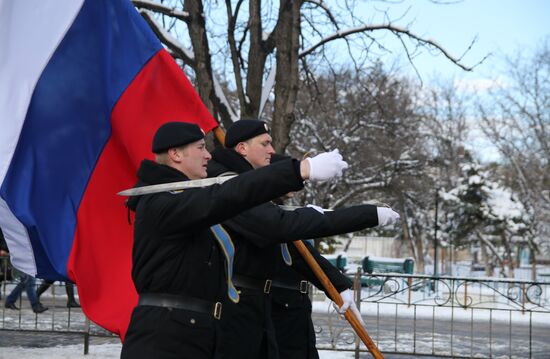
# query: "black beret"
243, 130
175, 134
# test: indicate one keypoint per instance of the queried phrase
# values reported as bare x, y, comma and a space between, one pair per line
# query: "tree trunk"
419, 263
203, 61
533, 263
257, 56
407, 233
509, 255
489, 265
287, 42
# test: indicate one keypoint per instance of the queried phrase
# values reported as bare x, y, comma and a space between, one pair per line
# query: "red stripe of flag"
101, 256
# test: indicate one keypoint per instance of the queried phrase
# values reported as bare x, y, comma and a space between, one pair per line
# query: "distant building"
360, 246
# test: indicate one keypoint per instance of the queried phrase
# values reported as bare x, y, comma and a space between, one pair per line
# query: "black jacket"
257, 232
174, 250
3, 245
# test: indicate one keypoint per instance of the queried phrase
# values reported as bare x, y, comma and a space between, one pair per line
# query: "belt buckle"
267, 286
303, 286
218, 310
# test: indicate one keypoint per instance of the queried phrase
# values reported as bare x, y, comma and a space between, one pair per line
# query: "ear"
241, 148
174, 155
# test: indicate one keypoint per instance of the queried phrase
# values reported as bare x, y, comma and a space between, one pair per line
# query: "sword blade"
293, 208
174, 186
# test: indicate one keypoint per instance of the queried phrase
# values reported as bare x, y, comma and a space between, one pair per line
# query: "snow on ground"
103, 351
441, 313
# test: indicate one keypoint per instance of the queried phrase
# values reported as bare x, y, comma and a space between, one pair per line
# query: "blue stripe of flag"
68, 124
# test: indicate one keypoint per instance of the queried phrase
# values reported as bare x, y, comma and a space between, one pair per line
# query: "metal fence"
445, 316
59, 318
405, 314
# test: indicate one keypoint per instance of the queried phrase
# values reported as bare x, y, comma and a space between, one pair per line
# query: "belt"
181, 302
243, 281
301, 286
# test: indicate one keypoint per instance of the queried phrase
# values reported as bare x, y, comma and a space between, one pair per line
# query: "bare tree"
518, 122
444, 114
371, 116
241, 42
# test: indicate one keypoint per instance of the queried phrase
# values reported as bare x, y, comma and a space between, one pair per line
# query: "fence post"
523, 298
409, 283
357, 289
465, 294
87, 337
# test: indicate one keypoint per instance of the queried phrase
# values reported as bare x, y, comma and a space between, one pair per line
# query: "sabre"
174, 186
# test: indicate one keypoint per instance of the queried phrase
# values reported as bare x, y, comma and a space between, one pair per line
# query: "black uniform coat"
174, 252
5, 268
257, 234
291, 309
3, 245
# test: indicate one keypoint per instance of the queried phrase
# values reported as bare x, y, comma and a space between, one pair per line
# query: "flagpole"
325, 281
220, 135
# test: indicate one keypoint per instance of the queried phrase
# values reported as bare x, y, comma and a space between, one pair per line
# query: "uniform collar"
231, 160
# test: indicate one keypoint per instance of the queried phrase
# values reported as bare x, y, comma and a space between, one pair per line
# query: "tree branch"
186, 55
231, 22
397, 31
163, 9
326, 9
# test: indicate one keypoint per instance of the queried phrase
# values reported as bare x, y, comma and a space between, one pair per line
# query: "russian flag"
84, 84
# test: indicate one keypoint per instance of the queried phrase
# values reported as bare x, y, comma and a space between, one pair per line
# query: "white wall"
362, 246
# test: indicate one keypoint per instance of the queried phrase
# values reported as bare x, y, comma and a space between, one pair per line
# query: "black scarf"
150, 173
228, 159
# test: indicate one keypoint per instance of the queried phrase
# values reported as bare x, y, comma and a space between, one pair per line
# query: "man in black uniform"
291, 311
181, 257
291, 306
4, 253
257, 234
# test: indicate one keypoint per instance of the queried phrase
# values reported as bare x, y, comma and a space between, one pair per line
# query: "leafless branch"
326, 10
174, 45
358, 189
398, 31
231, 22
163, 9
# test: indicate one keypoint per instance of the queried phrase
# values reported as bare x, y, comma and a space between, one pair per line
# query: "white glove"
317, 208
347, 297
326, 166
386, 216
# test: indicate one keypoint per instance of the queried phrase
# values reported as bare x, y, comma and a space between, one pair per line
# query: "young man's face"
258, 150
194, 158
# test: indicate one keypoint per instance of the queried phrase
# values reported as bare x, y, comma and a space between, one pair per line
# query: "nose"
207, 155
271, 150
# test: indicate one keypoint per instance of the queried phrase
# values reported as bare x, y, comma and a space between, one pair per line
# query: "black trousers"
166, 333
291, 313
245, 330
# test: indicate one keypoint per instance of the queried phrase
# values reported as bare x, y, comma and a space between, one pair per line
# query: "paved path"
422, 337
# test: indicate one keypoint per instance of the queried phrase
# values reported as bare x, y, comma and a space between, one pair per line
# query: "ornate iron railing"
407, 314
445, 316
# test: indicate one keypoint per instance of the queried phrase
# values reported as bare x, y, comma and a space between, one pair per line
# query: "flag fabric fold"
83, 87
